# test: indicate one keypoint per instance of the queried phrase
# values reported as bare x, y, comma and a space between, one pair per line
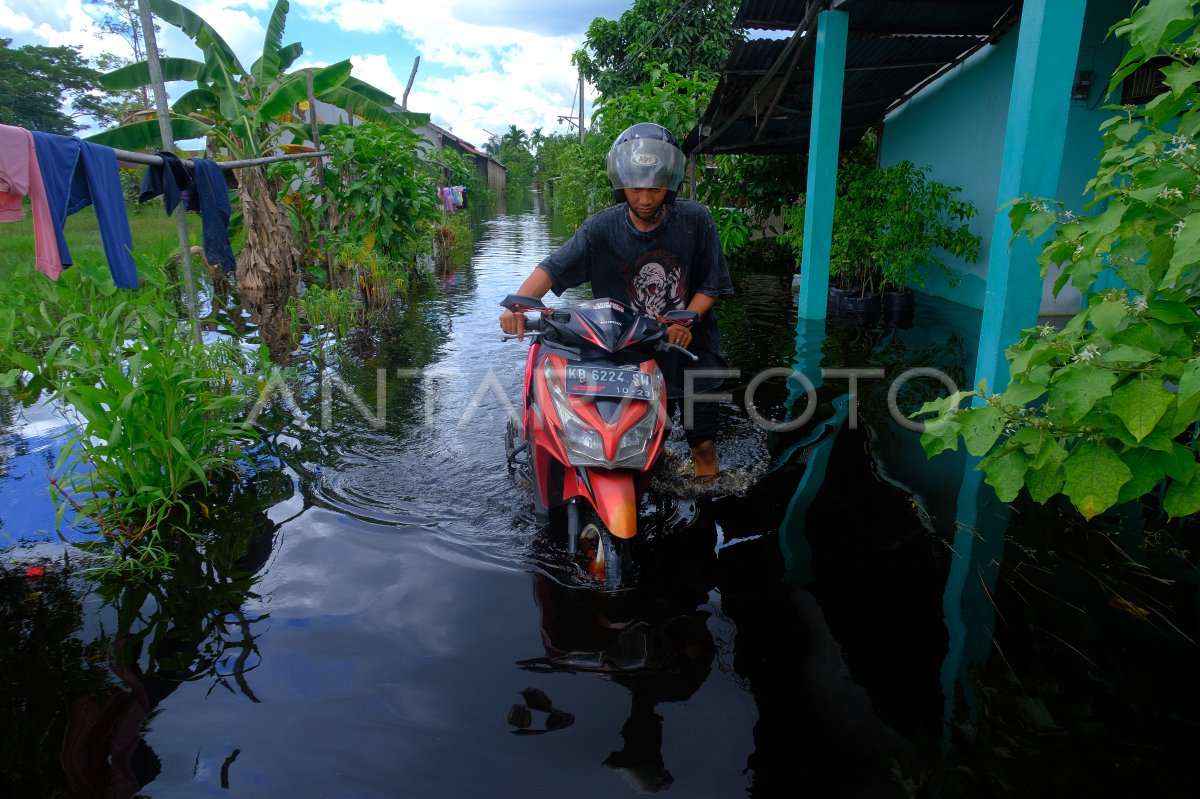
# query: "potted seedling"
921, 221
891, 227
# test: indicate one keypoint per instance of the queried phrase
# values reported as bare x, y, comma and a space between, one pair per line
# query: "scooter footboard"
612, 493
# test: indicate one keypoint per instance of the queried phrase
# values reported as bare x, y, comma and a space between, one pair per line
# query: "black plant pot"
860, 305
898, 308
852, 300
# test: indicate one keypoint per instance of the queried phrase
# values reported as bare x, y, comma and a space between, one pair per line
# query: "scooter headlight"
633, 450
583, 443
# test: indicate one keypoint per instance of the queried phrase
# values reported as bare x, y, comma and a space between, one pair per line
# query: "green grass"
154, 237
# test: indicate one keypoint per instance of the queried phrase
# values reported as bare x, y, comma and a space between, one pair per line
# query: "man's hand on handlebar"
513, 324
678, 335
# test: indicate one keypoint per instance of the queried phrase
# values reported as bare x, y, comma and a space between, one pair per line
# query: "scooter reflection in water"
816, 726
654, 641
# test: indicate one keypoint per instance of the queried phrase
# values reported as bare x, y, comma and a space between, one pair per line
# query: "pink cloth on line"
21, 176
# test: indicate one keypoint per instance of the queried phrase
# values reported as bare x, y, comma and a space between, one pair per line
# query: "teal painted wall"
956, 126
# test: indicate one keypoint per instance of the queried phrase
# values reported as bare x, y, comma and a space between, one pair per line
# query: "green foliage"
325, 312
577, 170
1105, 410
378, 191
684, 36
761, 185
158, 417
571, 178
733, 229
671, 99
32, 306
890, 226
514, 149
38, 80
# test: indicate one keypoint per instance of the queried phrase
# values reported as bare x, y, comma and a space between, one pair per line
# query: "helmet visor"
645, 164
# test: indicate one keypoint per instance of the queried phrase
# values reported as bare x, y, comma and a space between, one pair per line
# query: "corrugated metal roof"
763, 103
772, 14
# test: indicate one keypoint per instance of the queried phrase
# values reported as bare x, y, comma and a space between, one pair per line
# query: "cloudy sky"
485, 64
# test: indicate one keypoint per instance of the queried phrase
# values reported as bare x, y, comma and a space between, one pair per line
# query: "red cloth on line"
21, 176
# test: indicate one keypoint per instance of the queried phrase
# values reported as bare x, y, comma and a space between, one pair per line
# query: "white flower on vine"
1182, 145
1088, 354
1177, 229
1170, 193
1041, 206
1079, 251
1046, 331
1068, 216
1139, 304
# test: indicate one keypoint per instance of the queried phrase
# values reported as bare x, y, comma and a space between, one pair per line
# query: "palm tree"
516, 140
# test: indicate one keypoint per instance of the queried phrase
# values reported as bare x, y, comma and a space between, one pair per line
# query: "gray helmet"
645, 156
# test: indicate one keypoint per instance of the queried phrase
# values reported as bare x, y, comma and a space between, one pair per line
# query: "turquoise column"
981, 527
824, 134
1034, 138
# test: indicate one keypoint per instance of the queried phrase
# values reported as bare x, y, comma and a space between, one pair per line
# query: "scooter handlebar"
533, 327
667, 346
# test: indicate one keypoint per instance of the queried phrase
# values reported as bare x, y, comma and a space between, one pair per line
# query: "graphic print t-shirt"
652, 273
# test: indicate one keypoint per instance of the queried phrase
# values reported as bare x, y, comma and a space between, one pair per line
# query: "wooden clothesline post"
168, 144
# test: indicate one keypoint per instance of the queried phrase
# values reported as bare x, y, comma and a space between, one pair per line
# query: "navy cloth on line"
170, 179
214, 213
78, 174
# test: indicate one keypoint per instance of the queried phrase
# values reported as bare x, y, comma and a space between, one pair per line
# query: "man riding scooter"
657, 254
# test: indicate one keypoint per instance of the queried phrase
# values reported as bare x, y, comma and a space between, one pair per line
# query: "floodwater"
379, 615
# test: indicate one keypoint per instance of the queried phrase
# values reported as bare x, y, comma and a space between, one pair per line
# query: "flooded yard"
378, 614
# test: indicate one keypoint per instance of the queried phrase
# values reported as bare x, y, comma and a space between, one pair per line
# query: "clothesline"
131, 157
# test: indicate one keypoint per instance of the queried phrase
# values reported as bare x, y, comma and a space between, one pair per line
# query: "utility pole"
581, 108
168, 145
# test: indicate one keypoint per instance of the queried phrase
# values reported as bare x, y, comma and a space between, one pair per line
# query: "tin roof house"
1000, 97
493, 173
1003, 98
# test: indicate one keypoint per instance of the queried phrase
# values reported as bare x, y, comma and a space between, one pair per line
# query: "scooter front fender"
614, 496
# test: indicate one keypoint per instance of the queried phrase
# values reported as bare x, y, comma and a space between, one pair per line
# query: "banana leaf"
367, 90
197, 101
266, 68
364, 108
411, 119
289, 54
135, 76
196, 29
294, 90
144, 135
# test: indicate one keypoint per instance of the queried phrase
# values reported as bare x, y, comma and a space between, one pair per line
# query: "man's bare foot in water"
705, 456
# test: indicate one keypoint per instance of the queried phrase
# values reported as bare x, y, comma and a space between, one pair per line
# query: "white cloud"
12, 21
56, 25
474, 77
484, 65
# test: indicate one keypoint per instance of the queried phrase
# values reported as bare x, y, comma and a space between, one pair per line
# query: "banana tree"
245, 113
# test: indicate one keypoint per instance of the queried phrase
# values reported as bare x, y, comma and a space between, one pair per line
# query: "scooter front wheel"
514, 445
605, 556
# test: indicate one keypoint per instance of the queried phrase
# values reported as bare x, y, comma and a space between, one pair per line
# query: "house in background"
1000, 97
493, 173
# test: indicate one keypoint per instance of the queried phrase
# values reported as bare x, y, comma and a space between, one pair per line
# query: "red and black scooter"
592, 421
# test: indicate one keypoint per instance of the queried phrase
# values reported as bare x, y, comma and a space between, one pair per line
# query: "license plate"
608, 381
